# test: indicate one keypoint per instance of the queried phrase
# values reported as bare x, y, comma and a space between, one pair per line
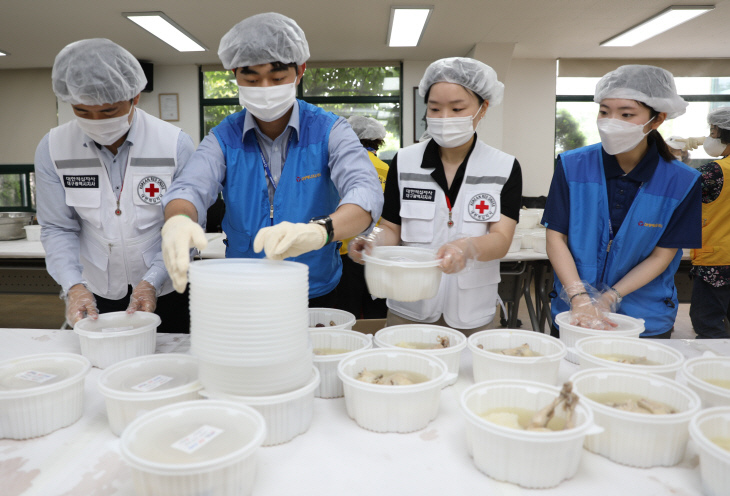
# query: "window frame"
26, 169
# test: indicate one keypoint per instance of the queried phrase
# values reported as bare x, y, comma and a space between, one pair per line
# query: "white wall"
27, 113
180, 79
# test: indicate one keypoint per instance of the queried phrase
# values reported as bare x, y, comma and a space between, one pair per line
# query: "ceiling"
357, 30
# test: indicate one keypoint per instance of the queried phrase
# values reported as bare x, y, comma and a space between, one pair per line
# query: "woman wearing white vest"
100, 178
455, 194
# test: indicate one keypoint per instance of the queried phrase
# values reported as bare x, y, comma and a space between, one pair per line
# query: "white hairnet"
673, 143
263, 39
652, 86
469, 73
719, 117
367, 128
96, 72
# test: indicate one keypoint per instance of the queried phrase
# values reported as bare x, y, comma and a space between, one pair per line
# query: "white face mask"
450, 132
267, 103
714, 147
106, 131
619, 136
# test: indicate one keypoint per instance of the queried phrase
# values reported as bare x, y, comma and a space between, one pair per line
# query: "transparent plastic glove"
608, 300
287, 240
80, 303
691, 143
585, 310
179, 235
144, 298
360, 245
455, 255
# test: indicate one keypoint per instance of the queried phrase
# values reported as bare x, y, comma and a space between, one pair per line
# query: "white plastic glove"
287, 240
80, 303
144, 298
360, 245
456, 254
179, 235
691, 143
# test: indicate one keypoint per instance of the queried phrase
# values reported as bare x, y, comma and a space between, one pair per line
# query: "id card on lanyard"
267, 169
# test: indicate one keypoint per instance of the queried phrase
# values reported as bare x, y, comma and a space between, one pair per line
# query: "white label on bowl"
152, 383
192, 442
35, 376
117, 329
402, 259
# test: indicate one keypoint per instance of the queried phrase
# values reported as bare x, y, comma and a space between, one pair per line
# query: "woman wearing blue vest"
295, 178
454, 194
619, 212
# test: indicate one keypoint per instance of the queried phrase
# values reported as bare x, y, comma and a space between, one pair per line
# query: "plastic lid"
117, 324
151, 375
236, 267
37, 373
193, 436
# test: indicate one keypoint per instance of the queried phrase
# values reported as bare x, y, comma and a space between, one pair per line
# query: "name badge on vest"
419, 194
81, 181
483, 207
150, 189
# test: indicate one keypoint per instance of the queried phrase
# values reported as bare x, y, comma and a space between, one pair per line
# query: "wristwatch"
326, 222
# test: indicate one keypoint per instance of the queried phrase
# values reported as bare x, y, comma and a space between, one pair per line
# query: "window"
346, 91
575, 112
17, 188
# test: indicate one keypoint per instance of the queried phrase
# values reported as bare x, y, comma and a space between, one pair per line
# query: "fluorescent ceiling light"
3, 54
167, 30
407, 25
663, 21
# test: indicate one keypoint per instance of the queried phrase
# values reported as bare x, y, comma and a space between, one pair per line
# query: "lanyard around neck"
267, 169
448, 204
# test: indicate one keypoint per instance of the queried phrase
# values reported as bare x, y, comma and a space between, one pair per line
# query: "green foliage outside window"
568, 135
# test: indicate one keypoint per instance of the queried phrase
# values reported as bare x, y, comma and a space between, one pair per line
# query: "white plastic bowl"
628, 327
331, 385
670, 360
637, 439
529, 459
528, 219
402, 273
117, 336
489, 366
714, 461
389, 337
516, 244
41, 393
33, 233
539, 243
287, 415
698, 369
139, 385
223, 465
382, 408
341, 318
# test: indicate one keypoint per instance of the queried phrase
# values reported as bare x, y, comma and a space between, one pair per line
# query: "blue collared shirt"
351, 170
61, 225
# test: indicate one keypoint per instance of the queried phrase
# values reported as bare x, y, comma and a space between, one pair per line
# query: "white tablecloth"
335, 457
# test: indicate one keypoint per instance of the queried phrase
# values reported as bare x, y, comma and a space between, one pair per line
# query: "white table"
335, 457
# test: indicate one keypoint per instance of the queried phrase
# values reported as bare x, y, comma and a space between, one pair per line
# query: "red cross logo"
482, 207
151, 189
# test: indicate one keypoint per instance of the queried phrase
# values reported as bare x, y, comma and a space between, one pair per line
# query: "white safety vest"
118, 241
467, 299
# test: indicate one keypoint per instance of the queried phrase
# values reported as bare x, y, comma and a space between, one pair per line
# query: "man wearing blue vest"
295, 178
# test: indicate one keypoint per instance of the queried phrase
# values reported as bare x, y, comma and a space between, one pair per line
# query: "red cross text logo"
152, 190
482, 207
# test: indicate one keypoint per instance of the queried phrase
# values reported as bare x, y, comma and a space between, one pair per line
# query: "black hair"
724, 135
275, 66
479, 98
374, 144
661, 145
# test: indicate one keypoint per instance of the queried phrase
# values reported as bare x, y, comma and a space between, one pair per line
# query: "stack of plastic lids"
248, 325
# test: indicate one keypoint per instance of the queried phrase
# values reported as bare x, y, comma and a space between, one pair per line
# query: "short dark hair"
724, 135
275, 66
479, 98
374, 144
661, 145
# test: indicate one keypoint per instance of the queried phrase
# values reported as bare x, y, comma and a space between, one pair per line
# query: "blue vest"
645, 222
305, 190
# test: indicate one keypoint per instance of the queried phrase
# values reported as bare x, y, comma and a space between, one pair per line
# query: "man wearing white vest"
454, 194
100, 179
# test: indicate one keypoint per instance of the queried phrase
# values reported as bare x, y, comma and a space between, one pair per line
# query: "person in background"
99, 180
352, 291
678, 147
711, 263
453, 194
619, 212
295, 178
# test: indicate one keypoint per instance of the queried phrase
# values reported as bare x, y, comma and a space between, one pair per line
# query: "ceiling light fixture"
3, 54
407, 25
663, 21
167, 30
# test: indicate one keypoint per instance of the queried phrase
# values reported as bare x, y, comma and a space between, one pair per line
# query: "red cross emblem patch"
482, 207
150, 189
